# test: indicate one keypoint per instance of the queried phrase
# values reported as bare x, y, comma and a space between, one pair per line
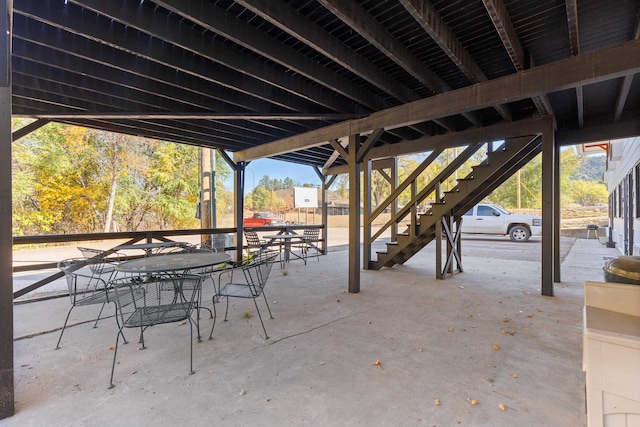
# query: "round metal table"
181, 262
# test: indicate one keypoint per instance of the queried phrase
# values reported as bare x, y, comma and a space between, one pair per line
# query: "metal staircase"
470, 190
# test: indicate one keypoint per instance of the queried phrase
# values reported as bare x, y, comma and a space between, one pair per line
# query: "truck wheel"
519, 233
266, 224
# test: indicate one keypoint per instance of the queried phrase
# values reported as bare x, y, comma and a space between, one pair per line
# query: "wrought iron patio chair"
254, 244
248, 281
108, 267
156, 300
310, 243
87, 280
205, 272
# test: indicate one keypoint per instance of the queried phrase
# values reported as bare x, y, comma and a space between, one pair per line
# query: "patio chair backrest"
257, 272
155, 300
253, 241
98, 261
311, 234
85, 286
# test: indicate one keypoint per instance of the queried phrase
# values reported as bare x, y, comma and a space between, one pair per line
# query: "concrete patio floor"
381, 357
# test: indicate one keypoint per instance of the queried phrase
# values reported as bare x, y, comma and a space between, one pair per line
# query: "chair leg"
227, 310
266, 337
214, 318
115, 353
63, 327
95, 325
191, 371
267, 303
124, 340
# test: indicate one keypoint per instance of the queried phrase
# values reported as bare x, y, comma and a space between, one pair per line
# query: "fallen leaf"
450, 329
539, 311
496, 347
293, 346
377, 363
502, 406
420, 350
505, 320
514, 375
134, 372
337, 300
472, 401
110, 348
436, 402
242, 392
530, 315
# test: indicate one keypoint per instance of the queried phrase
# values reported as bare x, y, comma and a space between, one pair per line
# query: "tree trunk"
112, 201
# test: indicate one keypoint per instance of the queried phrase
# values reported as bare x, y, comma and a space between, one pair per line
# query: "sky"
300, 174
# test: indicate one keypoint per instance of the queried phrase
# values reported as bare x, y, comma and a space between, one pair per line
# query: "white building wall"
623, 159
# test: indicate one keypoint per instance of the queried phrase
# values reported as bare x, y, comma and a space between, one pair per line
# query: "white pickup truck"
492, 219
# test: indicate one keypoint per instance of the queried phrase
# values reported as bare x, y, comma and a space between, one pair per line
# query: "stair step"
478, 183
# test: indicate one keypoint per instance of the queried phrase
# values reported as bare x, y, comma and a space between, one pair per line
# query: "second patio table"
286, 238
182, 262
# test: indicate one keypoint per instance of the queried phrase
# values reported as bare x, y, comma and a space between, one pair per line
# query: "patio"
379, 357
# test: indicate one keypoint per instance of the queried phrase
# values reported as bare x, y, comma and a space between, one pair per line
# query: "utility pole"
518, 200
206, 195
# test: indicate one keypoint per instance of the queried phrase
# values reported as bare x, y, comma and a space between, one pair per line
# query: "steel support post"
7, 390
354, 214
548, 212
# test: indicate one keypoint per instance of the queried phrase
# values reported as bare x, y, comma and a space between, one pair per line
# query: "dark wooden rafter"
502, 22
207, 15
574, 42
27, 129
158, 61
180, 34
289, 20
358, 19
576, 71
429, 19
623, 93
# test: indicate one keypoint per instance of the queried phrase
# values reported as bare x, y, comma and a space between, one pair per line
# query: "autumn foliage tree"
68, 179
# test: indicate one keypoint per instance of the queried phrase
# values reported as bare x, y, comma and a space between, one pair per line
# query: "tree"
588, 193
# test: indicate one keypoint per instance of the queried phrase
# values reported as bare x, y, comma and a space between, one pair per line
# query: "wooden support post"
354, 214
366, 232
7, 396
238, 191
548, 215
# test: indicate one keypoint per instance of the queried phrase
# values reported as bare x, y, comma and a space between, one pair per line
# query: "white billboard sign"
305, 197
